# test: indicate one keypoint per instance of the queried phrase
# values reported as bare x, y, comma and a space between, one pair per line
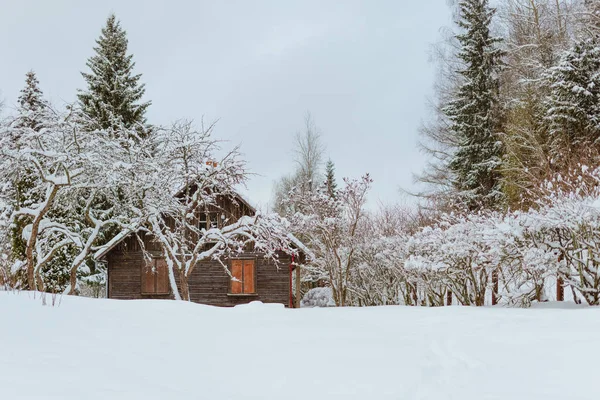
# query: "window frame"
208, 220
242, 293
202, 220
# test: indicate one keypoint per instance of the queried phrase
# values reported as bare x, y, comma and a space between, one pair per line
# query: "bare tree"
437, 141
83, 183
192, 181
332, 231
590, 17
308, 153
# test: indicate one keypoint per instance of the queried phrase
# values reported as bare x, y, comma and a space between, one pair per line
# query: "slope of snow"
108, 349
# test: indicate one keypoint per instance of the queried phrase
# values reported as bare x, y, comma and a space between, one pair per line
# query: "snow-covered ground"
107, 349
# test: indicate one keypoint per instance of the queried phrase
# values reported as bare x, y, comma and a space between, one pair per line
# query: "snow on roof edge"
100, 253
301, 246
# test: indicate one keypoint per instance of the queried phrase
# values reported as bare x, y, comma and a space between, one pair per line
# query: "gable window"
207, 220
155, 277
243, 274
212, 220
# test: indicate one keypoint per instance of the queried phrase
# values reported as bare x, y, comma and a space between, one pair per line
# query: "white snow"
109, 349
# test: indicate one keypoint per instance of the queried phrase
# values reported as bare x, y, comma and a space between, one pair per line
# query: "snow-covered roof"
98, 255
237, 193
301, 246
246, 200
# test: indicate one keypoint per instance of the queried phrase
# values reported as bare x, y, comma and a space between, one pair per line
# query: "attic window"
243, 280
207, 220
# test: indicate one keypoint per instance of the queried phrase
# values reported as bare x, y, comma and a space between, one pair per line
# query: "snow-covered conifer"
473, 111
573, 105
330, 182
113, 97
32, 110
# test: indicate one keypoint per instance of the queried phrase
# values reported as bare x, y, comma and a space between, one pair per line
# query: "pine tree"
113, 96
473, 112
31, 114
31, 102
574, 101
112, 100
330, 183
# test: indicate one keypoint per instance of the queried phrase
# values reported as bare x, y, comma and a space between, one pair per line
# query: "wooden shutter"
249, 276
148, 279
162, 277
236, 272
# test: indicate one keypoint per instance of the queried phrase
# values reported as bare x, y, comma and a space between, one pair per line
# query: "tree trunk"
35, 226
184, 289
72, 281
494, 287
560, 289
30, 274
39, 281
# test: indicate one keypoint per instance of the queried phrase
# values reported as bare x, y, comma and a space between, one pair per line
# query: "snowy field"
107, 349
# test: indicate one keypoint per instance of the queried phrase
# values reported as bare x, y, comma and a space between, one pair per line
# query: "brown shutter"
248, 276
162, 276
148, 279
236, 272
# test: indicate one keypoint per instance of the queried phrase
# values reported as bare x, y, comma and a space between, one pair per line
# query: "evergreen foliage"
31, 102
574, 101
112, 99
330, 183
31, 110
473, 112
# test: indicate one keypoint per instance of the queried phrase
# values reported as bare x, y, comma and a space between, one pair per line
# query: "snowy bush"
513, 258
318, 297
331, 226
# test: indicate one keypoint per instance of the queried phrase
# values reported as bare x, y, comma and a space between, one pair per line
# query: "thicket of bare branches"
309, 151
188, 165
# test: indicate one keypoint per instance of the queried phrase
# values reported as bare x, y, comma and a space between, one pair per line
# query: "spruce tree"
473, 112
31, 102
574, 101
31, 113
113, 97
330, 183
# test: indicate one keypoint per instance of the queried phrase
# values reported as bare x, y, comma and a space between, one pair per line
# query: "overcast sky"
360, 67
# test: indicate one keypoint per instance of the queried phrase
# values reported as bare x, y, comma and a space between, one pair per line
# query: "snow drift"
108, 349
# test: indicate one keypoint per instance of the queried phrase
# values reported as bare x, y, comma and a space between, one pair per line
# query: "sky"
361, 68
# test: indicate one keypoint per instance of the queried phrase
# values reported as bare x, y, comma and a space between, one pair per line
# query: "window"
155, 277
202, 221
207, 220
243, 277
212, 220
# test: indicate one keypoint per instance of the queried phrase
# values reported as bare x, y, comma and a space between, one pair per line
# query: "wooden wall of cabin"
209, 283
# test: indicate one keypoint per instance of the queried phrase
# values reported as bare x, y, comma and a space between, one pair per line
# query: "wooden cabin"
129, 276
